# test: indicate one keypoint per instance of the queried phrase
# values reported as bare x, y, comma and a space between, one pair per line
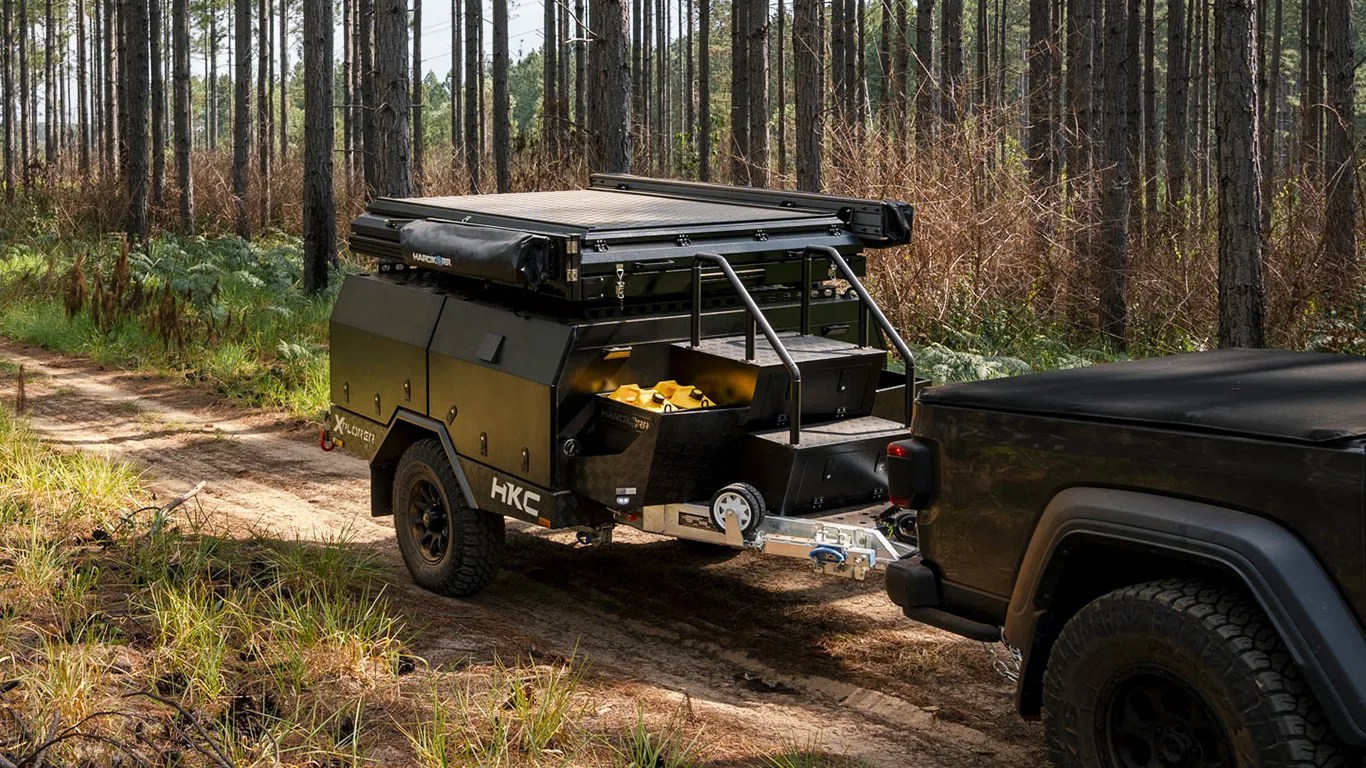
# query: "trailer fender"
405, 429
1275, 568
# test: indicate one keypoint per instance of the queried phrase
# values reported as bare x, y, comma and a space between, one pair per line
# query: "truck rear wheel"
448, 547
1179, 673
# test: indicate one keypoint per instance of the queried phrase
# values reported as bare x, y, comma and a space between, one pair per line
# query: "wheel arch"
405, 429
1090, 541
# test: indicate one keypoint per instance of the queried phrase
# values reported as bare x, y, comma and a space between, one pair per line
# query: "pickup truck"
1176, 547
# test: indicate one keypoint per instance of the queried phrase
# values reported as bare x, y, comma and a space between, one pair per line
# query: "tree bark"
137, 90
474, 19
951, 56
320, 210
739, 90
181, 117
704, 90
1081, 73
369, 94
780, 80
82, 83
394, 154
457, 91
1150, 133
1311, 101
241, 118
1240, 231
808, 50
1178, 69
49, 87
284, 82
158, 92
502, 121
1339, 231
1115, 194
264, 135
926, 89
1040, 58
550, 80
1272, 119
610, 95
418, 107
756, 47
25, 113
580, 65
7, 67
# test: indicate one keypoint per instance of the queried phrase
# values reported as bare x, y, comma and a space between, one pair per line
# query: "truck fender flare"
397, 437
1298, 597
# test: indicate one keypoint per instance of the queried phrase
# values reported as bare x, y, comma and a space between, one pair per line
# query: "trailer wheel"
745, 501
448, 547
1179, 673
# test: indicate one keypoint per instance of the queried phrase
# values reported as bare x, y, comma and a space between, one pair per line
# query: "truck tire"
1179, 673
448, 547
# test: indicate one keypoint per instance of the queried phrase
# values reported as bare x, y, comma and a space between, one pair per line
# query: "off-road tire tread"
477, 535
1233, 640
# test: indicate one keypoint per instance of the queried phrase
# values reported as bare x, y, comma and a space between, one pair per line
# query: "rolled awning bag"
483, 253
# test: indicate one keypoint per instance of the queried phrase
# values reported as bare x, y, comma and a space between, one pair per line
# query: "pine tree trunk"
7, 65
180, 86
808, 93
739, 91
901, 68
320, 209
550, 79
1178, 70
1270, 124
580, 66
704, 90
211, 113
49, 81
25, 115
474, 19
1040, 58
925, 89
983, 74
394, 170
780, 80
241, 117
839, 85
1118, 80
1150, 133
1081, 72
264, 136
951, 55
756, 49
82, 83
419, 133
1311, 129
457, 91
284, 82
1240, 231
369, 95
610, 92
158, 105
137, 89
1339, 232
502, 120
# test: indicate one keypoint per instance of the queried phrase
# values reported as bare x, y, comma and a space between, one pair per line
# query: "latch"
621, 284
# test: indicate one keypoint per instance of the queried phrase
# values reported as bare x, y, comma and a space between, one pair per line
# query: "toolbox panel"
378, 338
493, 376
836, 464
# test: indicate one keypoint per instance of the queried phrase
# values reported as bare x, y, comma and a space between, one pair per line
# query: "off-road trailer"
481, 369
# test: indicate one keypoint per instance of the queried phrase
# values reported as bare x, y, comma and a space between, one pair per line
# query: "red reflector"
900, 501
898, 450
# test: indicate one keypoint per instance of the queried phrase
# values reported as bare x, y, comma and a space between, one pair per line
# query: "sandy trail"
652, 617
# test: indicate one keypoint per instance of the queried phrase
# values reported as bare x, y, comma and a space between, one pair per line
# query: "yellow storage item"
662, 397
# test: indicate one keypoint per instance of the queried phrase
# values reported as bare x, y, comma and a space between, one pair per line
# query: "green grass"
219, 311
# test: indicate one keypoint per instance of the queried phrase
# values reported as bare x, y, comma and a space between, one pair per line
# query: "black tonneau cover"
1301, 396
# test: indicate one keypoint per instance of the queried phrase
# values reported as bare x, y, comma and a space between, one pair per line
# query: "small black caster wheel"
745, 501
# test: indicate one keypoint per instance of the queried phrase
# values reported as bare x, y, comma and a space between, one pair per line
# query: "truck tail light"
910, 473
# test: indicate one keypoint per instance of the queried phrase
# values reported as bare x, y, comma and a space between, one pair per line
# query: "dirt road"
763, 651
